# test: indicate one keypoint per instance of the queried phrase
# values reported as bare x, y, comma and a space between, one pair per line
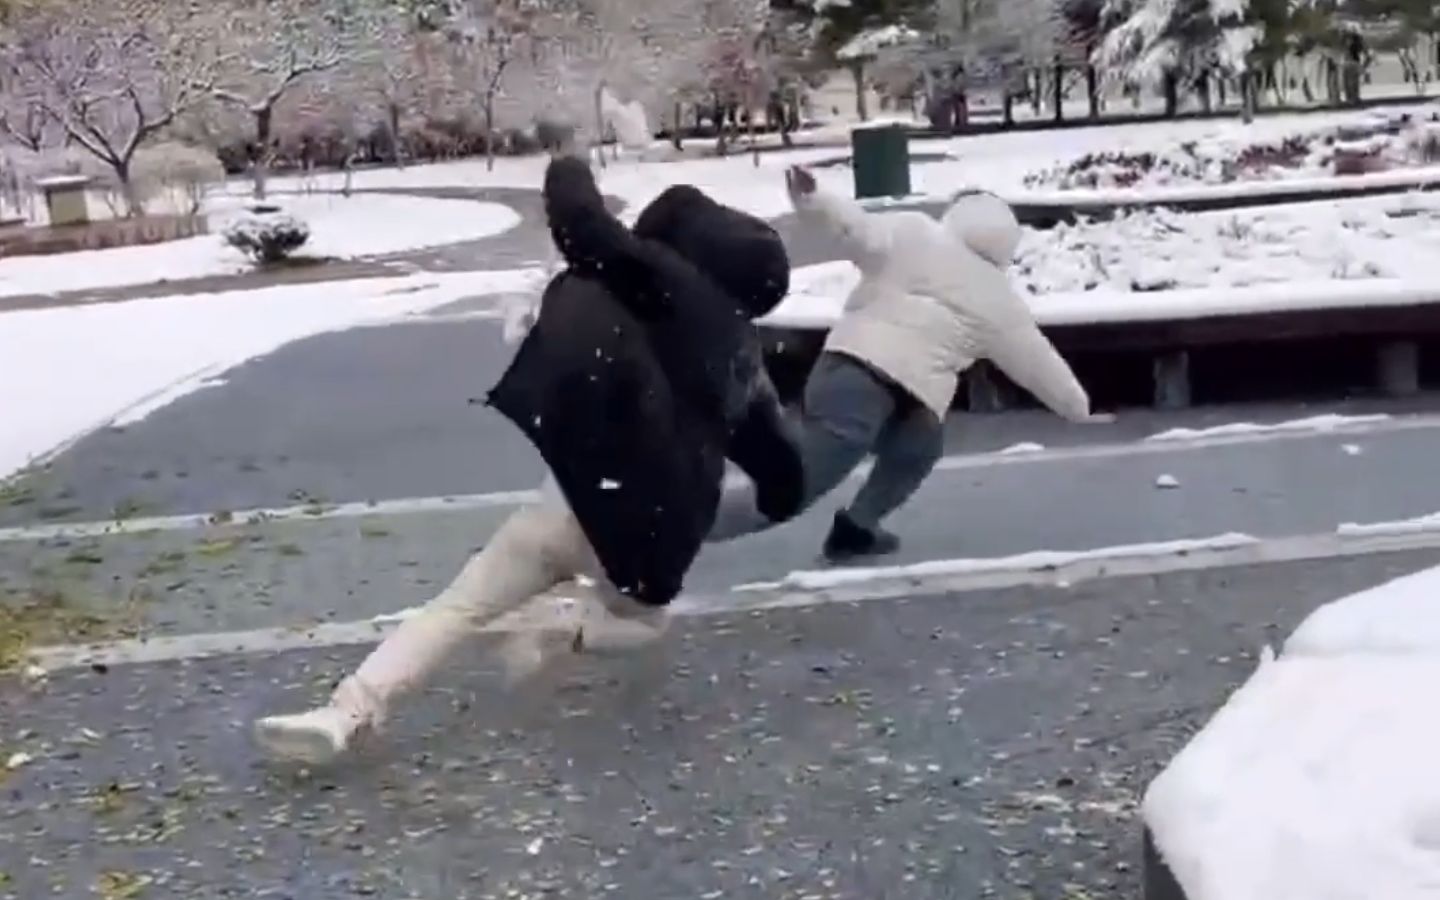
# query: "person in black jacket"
640, 377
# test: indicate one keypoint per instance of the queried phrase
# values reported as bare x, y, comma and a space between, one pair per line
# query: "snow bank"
1156, 250
1316, 778
340, 227
1321, 423
65, 372
1034, 561
817, 299
1416, 177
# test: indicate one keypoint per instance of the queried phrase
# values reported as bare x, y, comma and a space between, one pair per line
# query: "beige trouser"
537, 548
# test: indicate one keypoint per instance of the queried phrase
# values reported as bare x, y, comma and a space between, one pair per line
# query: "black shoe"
848, 540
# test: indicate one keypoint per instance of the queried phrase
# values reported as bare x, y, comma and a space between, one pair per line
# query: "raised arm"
863, 239
594, 243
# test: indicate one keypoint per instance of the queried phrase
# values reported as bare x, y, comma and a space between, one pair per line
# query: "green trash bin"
881, 160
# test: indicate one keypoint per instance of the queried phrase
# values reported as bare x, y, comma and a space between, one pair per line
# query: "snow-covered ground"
1384, 139
67, 371
340, 227
1316, 779
1380, 237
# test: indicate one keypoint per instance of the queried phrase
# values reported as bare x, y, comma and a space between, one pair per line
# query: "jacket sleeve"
594, 243
863, 239
765, 444
1026, 356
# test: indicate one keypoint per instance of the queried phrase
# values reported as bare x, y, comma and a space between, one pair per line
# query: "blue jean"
850, 411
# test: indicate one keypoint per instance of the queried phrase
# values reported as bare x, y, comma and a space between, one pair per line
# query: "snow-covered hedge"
1373, 142
1158, 250
266, 234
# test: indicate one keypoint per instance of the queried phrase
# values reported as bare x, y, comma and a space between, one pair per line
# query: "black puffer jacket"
643, 373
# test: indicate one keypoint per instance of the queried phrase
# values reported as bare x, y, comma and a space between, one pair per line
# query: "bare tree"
485, 39
108, 74
272, 47
396, 70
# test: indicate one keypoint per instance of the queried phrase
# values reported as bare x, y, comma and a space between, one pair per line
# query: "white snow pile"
1158, 250
1363, 142
340, 228
1316, 778
67, 371
1018, 564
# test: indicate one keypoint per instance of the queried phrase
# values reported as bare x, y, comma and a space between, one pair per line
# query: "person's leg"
535, 549
846, 406
908, 449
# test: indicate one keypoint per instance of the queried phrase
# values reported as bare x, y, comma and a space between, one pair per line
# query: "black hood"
739, 252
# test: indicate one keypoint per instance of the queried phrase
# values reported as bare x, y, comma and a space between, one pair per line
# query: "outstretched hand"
799, 182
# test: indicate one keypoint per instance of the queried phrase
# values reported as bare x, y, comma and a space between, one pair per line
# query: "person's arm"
594, 243
765, 443
863, 238
1026, 356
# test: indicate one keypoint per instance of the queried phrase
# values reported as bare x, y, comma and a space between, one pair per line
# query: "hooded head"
740, 253
986, 224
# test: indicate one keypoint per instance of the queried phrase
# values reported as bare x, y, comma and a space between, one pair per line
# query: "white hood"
986, 224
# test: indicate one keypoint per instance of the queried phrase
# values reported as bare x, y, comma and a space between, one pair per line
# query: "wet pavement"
992, 744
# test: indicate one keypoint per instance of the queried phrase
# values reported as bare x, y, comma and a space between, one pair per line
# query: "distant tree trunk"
1354, 58
862, 106
791, 102
489, 112
1172, 95
1009, 107
1037, 92
1059, 88
750, 126
133, 206
1202, 90
396, 156
1249, 91
600, 124
264, 119
679, 123
1092, 90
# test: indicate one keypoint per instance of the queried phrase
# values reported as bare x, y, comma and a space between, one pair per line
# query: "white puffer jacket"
933, 298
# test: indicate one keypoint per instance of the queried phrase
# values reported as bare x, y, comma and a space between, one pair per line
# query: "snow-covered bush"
188, 171
266, 234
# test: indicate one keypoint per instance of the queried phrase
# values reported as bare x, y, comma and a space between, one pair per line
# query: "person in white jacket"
933, 299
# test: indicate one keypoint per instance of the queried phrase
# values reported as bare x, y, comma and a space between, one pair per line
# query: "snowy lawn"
1316, 779
340, 227
68, 371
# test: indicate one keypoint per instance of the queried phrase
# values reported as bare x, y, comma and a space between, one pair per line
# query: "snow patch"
341, 228
1167, 482
67, 371
1314, 779
1024, 562
1322, 424
1023, 447
1417, 525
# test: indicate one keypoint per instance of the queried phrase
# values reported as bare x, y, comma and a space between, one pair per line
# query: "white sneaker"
314, 737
